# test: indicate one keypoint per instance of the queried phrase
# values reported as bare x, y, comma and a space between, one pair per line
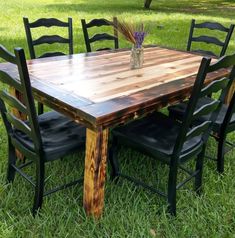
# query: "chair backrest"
99, 36
207, 39
199, 90
9, 102
48, 39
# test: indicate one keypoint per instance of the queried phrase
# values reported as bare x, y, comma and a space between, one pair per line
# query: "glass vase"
137, 57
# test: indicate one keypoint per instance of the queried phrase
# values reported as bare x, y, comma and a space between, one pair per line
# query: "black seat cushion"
155, 135
177, 111
60, 135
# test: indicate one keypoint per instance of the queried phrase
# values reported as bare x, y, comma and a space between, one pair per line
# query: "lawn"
129, 211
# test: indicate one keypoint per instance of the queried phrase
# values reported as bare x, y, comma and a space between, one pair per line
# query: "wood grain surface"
18, 114
95, 171
97, 88
104, 77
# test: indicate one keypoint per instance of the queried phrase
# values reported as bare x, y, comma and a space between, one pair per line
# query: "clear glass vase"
137, 57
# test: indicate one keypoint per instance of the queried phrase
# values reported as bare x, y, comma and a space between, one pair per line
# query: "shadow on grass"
92, 7
208, 8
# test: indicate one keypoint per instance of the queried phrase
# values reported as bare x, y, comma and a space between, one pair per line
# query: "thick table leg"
18, 114
95, 171
230, 93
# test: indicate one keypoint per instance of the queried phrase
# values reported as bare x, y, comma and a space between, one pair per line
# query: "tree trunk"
147, 3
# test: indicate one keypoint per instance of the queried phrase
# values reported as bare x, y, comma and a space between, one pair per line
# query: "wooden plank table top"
101, 91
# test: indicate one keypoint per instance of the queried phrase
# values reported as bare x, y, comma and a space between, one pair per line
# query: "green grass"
129, 211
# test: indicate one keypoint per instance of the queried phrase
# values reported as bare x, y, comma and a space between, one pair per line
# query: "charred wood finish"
99, 90
18, 114
230, 94
210, 39
95, 171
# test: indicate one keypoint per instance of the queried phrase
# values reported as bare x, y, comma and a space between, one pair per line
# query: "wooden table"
100, 91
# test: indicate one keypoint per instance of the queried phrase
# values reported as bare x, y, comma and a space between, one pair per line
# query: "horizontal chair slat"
223, 62
100, 49
23, 149
50, 54
7, 79
208, 40
6, 55
204, 52
50, 40
102, 36
212, 26
198, 130
13, 102
48, 22
18, 124
205, 109
98, 23
214, 86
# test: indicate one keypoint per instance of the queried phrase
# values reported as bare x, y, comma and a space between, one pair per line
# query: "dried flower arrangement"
134, 33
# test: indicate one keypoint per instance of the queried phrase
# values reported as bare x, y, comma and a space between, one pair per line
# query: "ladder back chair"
208, 39
47, 39
172, 142
40, 139
225, 122
99, 36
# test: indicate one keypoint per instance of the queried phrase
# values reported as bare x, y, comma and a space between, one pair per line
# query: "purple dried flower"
139, 38
135, 33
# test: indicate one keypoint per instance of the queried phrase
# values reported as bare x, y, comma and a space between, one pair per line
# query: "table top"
100, 89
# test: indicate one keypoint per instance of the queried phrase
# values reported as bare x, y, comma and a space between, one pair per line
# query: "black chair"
207, 39
99, 36
40, 139
48, 39
170, 141
224, 124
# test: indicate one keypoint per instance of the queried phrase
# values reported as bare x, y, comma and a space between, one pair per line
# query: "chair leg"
171, 195
220, 154
113, 160
40, 108
39, 188
11, 161
171, 114
199, 167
